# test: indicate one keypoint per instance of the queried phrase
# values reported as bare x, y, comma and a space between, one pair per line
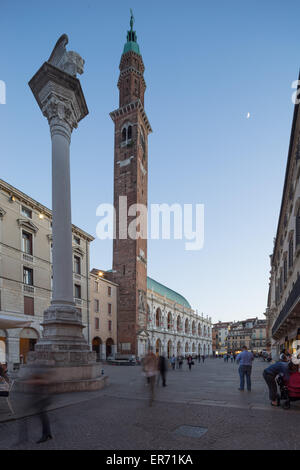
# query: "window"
26, 242
27, 212
77, 265
28, 276
96, 286
77, 291
285, 269
109, 291
77, 240
109, 325
291, 252
97, 323
124, 134
28, 305
109, 308
129, 133
96, 305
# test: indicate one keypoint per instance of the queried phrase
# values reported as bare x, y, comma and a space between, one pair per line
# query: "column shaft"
61, 225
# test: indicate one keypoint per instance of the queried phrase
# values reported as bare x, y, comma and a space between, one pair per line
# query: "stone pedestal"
59, 95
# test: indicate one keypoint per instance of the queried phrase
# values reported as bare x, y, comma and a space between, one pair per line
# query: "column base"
64, 353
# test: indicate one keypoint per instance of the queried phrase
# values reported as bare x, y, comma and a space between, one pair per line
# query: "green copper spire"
131, 44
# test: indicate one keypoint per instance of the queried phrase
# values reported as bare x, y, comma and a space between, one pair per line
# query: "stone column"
59, 95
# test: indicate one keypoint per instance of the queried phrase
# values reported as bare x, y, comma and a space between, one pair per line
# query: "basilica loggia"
173, 327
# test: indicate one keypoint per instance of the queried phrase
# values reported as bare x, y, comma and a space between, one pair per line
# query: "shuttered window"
28, 305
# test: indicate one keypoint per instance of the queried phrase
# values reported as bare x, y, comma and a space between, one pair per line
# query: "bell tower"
130, 188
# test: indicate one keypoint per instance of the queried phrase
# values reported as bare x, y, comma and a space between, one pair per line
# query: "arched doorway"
186, 348
178, 348
193, 348
158, 347
170, 349
2, 347
199, 349
96, 346
28, 339
204, 349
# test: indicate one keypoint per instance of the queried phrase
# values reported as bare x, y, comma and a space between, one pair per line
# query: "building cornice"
24, 198
128, 108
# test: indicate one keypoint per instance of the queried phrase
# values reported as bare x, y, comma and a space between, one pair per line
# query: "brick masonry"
130, 180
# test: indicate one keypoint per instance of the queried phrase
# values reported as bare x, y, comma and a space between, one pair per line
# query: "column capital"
60, 98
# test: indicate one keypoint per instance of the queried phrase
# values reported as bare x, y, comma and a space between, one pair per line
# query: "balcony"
292, 305
27, 257
28, 289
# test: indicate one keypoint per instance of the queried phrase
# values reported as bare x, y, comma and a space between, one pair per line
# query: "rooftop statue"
68, 61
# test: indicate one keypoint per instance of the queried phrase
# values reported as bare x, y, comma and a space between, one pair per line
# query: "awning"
10, 320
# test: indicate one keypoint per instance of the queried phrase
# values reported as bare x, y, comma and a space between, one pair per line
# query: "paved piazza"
119, 416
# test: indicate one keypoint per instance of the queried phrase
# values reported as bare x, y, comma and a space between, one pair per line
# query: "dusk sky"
208, 64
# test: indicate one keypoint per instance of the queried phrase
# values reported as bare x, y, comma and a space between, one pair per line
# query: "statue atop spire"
131, 20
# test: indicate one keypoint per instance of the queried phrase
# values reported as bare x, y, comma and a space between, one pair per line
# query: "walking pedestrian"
180, 362
173, 362
203, 358
190, 362
245, 359
150, 370
162, 368
38, 399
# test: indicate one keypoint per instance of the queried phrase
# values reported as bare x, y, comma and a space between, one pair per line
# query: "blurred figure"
3, 372
203, 358
150, 370
37, 397
173, 362
180, 362
190, 362
162, 368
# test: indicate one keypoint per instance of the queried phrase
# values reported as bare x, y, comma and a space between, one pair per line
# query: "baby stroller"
289, 391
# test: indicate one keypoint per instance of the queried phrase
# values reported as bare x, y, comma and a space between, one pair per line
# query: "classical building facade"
173, 327
26, 271
103, 309
283, 309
